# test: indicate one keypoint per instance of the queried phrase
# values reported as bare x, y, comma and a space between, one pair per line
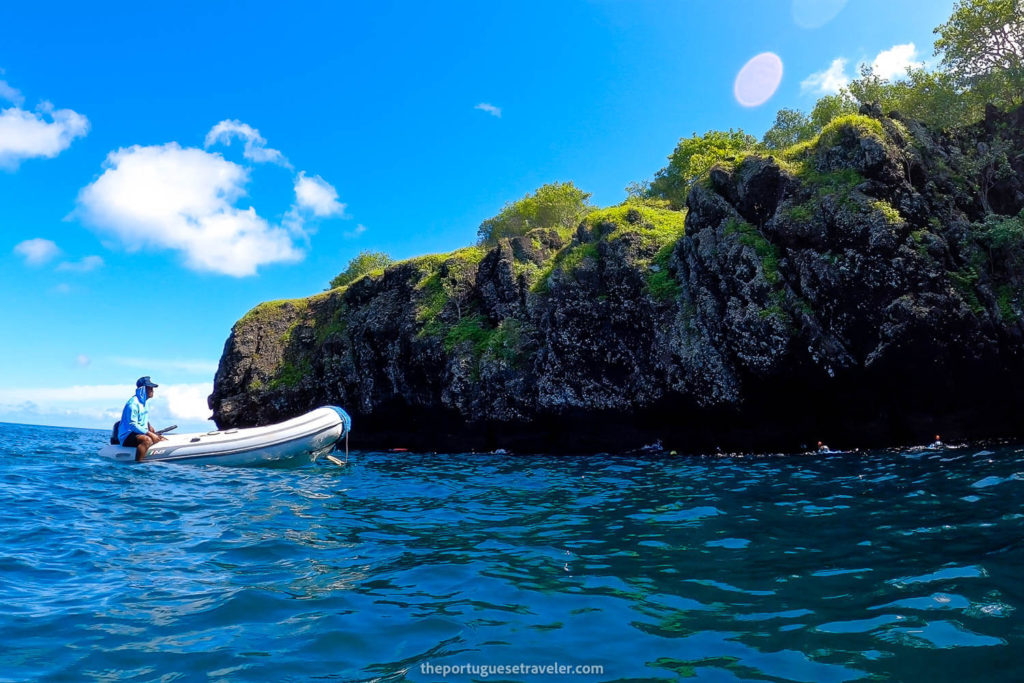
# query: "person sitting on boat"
822, 448
938, 443
135, 429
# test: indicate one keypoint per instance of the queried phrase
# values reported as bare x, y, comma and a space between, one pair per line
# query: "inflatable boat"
294, 441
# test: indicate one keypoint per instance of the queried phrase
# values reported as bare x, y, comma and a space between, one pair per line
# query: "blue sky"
163, 169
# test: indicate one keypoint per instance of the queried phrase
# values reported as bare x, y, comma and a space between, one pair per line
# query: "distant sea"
885, 565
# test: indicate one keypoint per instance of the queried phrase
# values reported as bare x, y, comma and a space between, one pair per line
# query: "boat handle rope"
341, 463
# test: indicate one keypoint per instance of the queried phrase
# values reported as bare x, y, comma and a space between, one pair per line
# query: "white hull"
294, 441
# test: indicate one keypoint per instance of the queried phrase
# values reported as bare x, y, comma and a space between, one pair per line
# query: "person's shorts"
131, 440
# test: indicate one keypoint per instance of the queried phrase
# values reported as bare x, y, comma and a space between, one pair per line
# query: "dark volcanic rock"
861, 297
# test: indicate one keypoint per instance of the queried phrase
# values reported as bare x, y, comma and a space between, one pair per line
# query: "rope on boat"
340, 462
347, 422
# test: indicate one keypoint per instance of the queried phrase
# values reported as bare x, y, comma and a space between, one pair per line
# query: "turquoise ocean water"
889, 565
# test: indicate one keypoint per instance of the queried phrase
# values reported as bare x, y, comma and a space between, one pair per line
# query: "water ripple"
888, 565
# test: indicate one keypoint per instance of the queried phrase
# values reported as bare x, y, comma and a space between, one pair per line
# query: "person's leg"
144, 443
131, 441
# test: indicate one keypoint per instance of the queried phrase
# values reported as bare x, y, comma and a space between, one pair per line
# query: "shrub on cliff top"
366, 262
644, 218
864, 125
792, 126
652, 227
270, 310
555, 205
799, 153
692, 158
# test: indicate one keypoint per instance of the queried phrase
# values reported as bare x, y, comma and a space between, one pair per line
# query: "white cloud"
11, 94
356, 231
317, 196
888, 64
37, 252
28, 412
894, 62
255, 145
314, 197
26, 135
100, 405
489, 108
829, 81
85, 265
169, 197
188, 401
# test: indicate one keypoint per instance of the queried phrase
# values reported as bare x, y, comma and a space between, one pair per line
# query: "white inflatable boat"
294, 441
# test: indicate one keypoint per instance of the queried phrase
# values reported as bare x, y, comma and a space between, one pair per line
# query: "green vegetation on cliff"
981, 48
365, 263
269, 311
550, 206
444, 279
692, 159
651, 230
553, 236
971, 75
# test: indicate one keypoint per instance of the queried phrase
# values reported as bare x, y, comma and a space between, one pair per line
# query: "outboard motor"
114, 441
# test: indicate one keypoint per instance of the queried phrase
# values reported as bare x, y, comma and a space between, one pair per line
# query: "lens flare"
758, 80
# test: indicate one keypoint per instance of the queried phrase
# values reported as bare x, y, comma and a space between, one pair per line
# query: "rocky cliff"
865, 288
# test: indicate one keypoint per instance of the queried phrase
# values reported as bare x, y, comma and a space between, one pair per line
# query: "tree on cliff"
693, 157
791, 126
831, 107
932, 97
551, 206
982, 48
366, 262
1003, 239
982, 51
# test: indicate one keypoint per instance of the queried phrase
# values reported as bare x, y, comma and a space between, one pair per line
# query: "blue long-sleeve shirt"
135, 416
